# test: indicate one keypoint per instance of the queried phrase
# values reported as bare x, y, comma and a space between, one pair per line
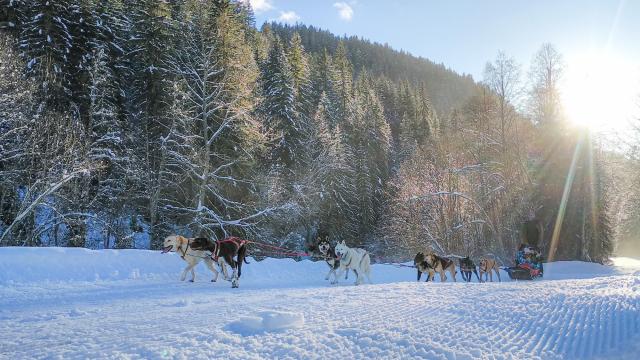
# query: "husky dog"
353, 258
422, 266
226, 249
486, 266
331, 258
191, 256
466, 267
440, 265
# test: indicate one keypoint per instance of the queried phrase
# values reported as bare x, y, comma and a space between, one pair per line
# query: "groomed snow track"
136, 309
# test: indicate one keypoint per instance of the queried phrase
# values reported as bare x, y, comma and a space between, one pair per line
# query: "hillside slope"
446, 88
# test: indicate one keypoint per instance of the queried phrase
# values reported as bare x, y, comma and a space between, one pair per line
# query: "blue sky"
599, 39
464, 34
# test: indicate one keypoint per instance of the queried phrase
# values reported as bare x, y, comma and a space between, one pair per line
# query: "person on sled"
528, 255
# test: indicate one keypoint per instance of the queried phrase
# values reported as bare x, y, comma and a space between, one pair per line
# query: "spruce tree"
279, 106
47, 43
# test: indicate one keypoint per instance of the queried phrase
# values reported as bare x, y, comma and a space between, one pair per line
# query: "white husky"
355, 259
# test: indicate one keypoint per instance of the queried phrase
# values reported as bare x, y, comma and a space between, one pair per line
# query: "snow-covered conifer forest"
124, 121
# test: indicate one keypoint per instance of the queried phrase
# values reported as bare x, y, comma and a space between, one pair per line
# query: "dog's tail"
242, 258
367, 268
244, 254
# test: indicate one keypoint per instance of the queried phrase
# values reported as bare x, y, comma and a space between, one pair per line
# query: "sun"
601, 93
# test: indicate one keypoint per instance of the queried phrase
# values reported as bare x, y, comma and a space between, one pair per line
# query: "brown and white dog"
440, 265
182, 245
486, 266
226, 249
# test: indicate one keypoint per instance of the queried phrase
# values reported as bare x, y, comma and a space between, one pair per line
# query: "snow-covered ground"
128, 304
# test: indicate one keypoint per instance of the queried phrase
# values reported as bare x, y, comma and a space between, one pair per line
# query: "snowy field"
128, 304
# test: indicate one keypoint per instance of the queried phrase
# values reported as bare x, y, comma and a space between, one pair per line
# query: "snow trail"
284, 309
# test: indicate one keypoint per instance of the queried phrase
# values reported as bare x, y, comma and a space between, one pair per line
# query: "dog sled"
521, 273
528, 257
528, 264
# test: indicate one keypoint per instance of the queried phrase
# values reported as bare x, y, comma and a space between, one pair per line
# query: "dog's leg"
497, 273
186, 270
189, 268
453, 273
223, 268
234, 279
490, 272
358, 277
420, 275
331, 271
443, 276
338, 275
215, 272
346, 275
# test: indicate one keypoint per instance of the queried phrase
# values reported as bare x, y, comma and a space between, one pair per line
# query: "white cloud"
260, 5
288, 16
345, 11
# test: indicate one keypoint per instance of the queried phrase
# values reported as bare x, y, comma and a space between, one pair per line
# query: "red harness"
231, 239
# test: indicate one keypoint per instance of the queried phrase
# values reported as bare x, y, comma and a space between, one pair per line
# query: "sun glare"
601, 93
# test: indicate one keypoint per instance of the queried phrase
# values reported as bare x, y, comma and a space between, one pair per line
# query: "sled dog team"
430, 263
233, 251
340, 259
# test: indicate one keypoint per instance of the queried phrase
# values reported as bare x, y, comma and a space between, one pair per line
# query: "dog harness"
215, 254
445, 263
184, 252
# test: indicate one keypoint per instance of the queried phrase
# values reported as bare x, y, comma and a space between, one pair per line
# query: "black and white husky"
329, 255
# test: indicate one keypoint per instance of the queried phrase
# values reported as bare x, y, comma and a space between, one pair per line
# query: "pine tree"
279, 107
330, 164
301, 76
370, 140
322, 84
106, 149
46, 43
12, 14
17, 116
343, 81
148, 48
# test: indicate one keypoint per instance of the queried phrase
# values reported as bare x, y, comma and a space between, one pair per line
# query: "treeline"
124, 121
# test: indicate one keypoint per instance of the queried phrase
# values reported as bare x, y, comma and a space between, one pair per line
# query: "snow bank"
561, 270
56, 264
29, 265
35, 265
